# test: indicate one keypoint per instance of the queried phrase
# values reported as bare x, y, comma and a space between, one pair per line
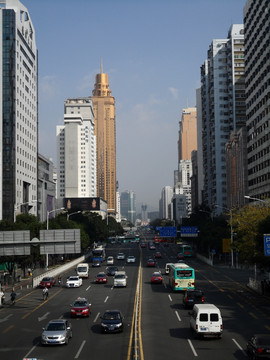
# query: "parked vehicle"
206, 320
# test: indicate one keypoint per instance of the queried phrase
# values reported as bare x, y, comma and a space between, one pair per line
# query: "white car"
121, 256
110, 260
74, 281
131, 259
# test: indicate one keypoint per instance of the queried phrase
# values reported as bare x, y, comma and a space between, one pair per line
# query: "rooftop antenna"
101, 67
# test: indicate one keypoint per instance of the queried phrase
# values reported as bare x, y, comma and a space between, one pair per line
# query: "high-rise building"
128, 205
223, 110
104, 109
165, 201
257, 80
19, 111
76, 150
187, 139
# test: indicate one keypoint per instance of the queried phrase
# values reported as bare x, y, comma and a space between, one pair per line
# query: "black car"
96, 263
192, 297
111, 270
258, 346
112, 321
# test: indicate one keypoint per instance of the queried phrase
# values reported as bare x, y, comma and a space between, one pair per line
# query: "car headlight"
62, 337
118, 325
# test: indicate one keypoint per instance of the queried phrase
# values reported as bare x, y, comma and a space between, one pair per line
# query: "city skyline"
152, 52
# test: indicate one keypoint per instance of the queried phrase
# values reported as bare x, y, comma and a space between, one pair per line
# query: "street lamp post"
231, 228
255, 199
68, 215
48, 213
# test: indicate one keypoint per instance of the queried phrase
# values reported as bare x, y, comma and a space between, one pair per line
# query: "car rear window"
214, 317
204, 317
184, 273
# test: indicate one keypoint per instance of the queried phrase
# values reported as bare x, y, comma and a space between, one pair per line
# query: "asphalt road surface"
164, 322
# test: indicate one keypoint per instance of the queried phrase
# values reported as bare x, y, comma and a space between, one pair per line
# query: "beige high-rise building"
187, 140
104, 110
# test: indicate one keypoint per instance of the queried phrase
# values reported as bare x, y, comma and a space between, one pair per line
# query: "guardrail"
59, 270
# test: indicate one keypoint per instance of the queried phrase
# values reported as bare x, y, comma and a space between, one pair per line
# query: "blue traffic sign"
266, 244
168, 231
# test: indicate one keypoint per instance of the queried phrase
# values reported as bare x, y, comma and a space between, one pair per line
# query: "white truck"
83, 270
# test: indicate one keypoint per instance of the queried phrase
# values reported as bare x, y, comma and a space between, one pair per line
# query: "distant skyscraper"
187, 141
19, 111
145, 220
76, 150
128, 205
165, 201
104, 109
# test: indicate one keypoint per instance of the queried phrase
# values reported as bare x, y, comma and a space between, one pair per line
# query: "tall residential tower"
18, 111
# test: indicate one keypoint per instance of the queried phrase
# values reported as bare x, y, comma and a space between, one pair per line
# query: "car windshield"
119, 276
80, 303
55, 326
101, 275
111, 316
156, 274
73, 279
46, 279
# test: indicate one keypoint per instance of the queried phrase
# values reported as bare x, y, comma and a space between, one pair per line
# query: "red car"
156, 278
151, 262
101, 278
143, 245
47, 282
158, 255
80, 307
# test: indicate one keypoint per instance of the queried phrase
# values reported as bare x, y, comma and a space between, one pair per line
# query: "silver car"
56, 332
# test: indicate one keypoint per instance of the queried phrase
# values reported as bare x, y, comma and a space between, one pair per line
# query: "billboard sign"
266, 238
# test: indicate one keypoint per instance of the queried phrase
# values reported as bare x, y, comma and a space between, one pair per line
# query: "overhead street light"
256, 199
230, 211
52, 211
68, 215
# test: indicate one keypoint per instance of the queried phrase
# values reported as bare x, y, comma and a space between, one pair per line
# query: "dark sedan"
258, 346
151, 263
112, 321
192, 297
111, 270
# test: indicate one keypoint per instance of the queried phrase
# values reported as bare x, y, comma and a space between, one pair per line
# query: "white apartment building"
18, 111
76, 150
223, 110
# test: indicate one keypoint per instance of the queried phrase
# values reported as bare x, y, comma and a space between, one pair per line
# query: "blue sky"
152, 51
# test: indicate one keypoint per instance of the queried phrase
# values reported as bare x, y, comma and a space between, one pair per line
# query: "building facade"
257, 80
76, 150
18, 111
223, 110
105, 131
187, 134
165, 201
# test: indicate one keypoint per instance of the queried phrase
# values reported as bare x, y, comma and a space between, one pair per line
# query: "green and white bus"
181, 276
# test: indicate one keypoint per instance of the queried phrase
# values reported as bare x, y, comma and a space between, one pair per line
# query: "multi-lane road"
164, 323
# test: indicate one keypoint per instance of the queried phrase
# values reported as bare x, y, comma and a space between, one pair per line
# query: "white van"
120, 279
206, 320
83, 270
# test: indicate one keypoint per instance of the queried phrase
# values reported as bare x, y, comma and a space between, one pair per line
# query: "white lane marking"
239, 346
96, 317
107, 297
43, 317
29, 352
112, 287
88, 288
6, 318
165, 285
80, 349
178, 316
169, 296
192, 347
